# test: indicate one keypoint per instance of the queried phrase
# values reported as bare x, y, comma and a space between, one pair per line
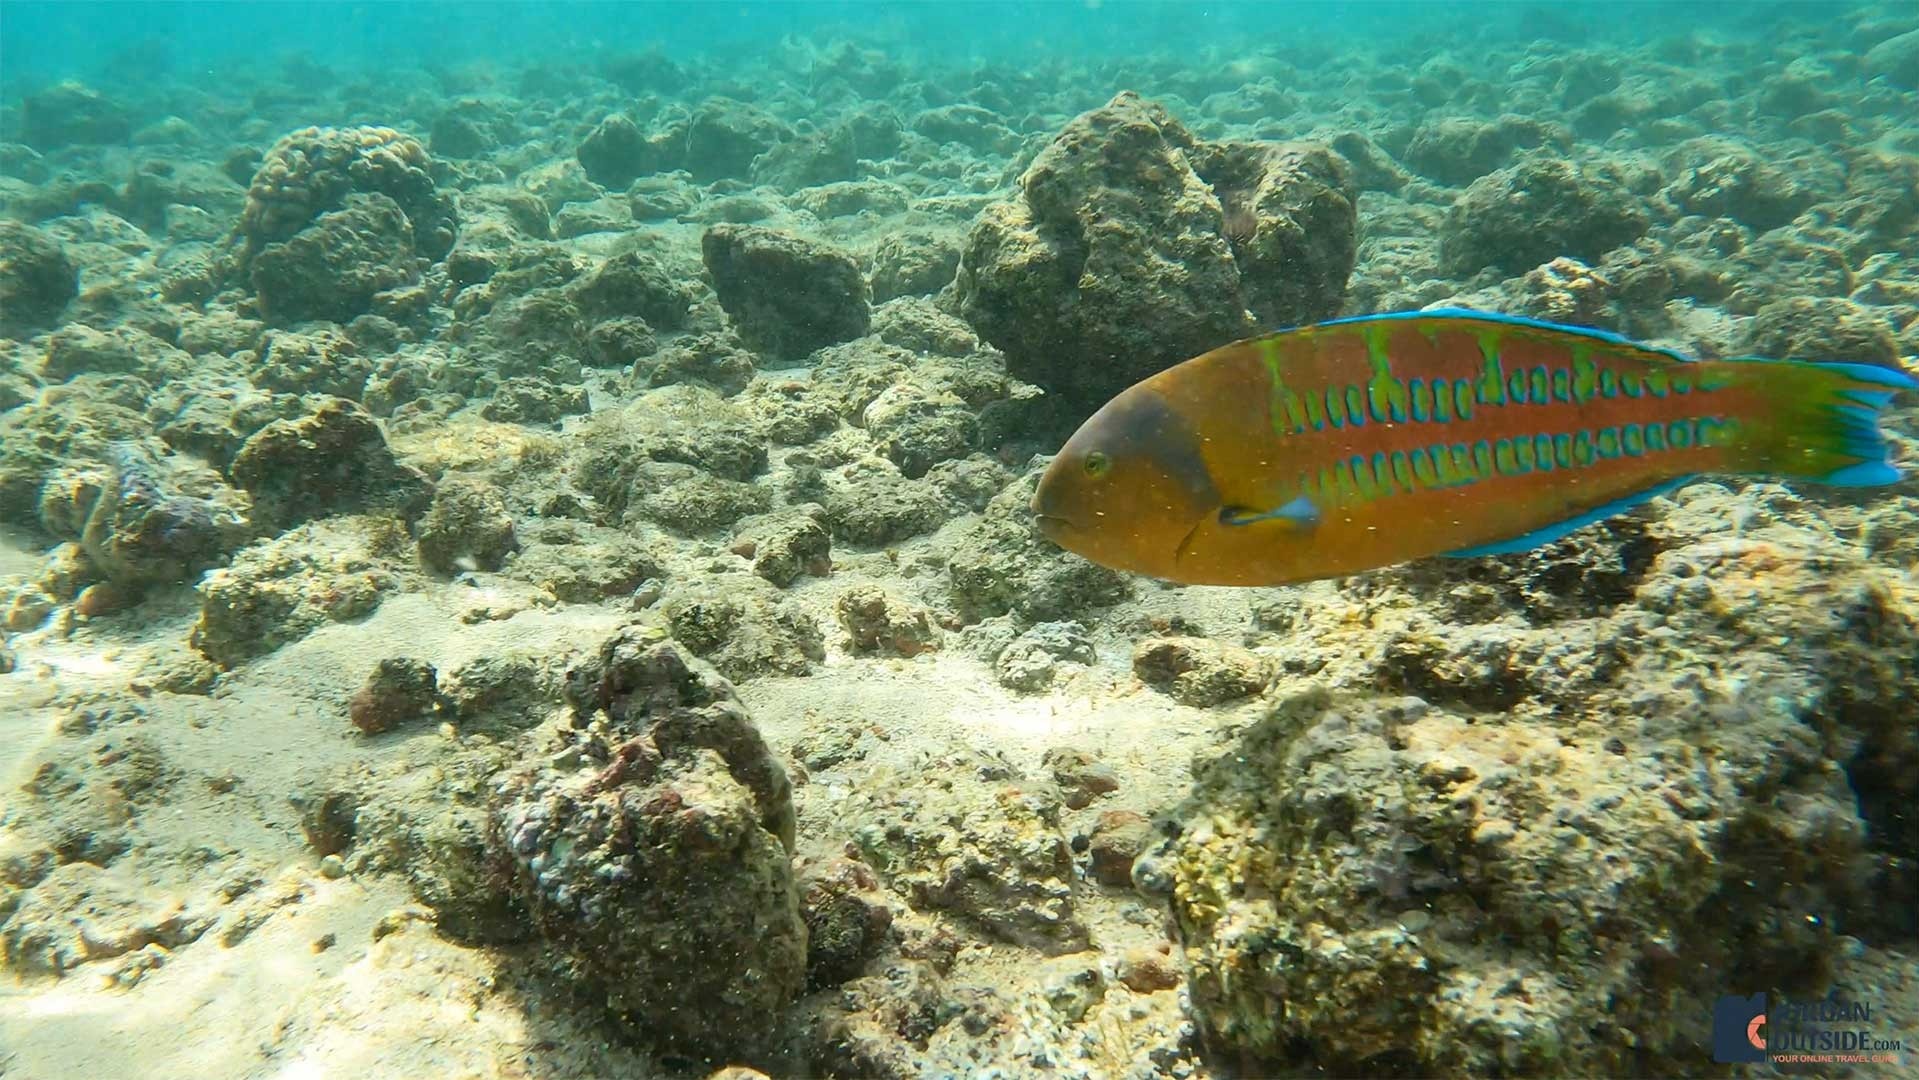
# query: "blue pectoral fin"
1300, 512
1538, 537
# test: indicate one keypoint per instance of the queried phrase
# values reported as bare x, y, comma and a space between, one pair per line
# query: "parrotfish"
1363, 442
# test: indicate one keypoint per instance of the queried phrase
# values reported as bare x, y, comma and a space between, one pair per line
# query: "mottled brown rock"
1118, 838
1200, 671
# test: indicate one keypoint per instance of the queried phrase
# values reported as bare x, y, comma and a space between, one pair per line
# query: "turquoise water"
681, 540
55, 40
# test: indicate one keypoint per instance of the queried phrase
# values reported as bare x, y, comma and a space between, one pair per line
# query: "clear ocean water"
1101, 539
135, 40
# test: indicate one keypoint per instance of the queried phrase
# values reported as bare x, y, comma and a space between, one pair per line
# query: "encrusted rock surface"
369, 518
36, 279
661, 874
786, 294
1133, 246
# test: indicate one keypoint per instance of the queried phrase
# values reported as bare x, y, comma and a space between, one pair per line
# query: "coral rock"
787, 295
400, 689
277, 591
36, 279
879, 622
1001, 565
465, 527
1823, 328
1133, 246
334, 267
1536, 210
1200, 671
1119, 837
662, 877
333, 459
847, 920
70, 114
745, 631
965, 841
314, 170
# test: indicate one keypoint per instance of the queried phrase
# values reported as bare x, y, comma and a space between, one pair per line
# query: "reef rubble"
530, 572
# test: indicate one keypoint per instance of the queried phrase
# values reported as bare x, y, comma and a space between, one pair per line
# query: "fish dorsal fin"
1542, 536
1652, 352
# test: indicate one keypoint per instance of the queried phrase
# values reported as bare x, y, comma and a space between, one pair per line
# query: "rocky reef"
527, 568
1134, 245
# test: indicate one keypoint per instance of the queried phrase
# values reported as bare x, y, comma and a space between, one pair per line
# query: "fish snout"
1047, 515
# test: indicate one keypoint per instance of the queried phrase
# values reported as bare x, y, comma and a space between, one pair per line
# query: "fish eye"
1098, 464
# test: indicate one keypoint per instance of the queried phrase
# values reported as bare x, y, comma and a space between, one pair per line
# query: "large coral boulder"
1383, 870
334, 216
335, 459
787, 295
1132, 246
71, 114
661, 875
313, 170
36, 279
1628, 769
1542, 207
334, 268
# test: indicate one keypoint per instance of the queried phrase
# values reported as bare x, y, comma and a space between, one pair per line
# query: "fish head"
1130, 487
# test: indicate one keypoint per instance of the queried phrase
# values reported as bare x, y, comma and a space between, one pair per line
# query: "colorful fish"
1363, 442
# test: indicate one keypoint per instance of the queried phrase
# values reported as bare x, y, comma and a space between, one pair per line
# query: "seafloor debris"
664, 370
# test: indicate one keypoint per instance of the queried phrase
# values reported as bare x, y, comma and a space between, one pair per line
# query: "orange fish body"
1360, 443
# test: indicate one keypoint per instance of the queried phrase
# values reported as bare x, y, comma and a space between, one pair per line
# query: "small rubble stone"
1119, 838
616, 152
327, 818
531, 399
913, 263
786, 545
1000, 564
313, 361
1081, 776
744, 631
400, 689
880, 622
466, 526
1145, 970
847, 920
279, 590
1030, 662
1200, 671
971, 841
580, 563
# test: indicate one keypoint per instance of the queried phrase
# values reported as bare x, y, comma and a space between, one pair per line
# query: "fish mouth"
1052, 525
